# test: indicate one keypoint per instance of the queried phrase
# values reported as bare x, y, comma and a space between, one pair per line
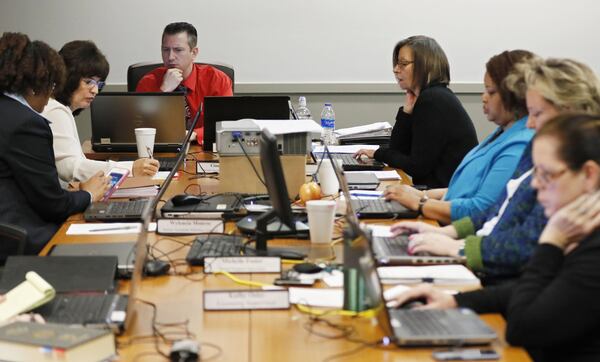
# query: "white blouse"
71, 163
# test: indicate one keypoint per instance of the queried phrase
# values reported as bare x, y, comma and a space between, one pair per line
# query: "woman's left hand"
573, 222
434, 243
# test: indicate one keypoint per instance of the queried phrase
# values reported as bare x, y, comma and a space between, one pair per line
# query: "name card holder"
246, 299
189, 226
243, 264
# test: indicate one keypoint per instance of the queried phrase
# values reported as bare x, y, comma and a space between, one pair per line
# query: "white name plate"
207, 167
243, 264
246, 299
189, 226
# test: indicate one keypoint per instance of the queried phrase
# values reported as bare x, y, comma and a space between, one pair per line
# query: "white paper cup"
320, 220
144, 137
327, 179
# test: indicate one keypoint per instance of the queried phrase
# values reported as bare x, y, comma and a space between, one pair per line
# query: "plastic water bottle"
302, 111
328, 124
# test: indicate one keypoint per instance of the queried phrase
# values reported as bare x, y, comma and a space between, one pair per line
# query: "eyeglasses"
404, 63
92, 82
546, 177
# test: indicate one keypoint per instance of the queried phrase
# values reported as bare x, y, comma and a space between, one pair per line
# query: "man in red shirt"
179, 73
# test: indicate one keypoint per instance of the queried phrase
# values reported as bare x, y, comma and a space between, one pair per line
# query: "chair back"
12, 241
135, 72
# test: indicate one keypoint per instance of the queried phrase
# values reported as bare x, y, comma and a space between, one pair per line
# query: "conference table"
173, 306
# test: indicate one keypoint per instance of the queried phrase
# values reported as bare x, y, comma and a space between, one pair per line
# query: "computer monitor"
217, 109
270, 224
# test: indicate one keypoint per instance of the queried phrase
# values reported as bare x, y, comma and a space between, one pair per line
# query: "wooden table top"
274, 335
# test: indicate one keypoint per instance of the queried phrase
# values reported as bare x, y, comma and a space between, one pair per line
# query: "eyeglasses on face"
402, 64
91, 82
545, 177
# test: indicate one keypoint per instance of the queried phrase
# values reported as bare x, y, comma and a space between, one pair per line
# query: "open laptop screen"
115, 116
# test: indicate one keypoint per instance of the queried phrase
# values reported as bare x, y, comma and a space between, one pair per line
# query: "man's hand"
171, 80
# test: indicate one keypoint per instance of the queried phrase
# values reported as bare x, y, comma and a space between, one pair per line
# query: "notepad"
30, 294
438, 274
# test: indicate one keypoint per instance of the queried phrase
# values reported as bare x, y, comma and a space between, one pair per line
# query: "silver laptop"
115, 116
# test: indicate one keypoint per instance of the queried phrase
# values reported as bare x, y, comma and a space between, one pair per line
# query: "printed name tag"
243, 264
207, 167
189, 226
246, 299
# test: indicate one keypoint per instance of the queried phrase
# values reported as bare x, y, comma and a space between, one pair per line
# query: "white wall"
337, 50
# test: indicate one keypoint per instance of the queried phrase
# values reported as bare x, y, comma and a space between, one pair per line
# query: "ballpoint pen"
114, 228
149, 152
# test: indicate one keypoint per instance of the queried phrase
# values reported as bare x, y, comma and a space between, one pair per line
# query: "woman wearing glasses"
499, 241
87, 69
433, 132
552, 310
31, 194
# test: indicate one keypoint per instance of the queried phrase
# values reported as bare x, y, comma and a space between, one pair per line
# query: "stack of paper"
381, 175
377, 129
135, 192
438, 274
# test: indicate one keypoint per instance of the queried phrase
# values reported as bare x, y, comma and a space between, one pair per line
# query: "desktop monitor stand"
263, 235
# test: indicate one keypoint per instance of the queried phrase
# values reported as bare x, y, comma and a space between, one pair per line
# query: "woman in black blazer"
30, 194
433, 132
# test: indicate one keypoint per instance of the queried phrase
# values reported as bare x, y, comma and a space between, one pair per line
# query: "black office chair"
135, 72
12, 242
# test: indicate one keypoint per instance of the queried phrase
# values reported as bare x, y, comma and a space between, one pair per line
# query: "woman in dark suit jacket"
433, 132
30, 194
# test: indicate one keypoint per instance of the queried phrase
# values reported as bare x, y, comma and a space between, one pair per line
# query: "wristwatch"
422, 202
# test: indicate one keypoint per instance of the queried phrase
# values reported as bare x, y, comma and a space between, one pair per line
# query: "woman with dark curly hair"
31, 194
87, 68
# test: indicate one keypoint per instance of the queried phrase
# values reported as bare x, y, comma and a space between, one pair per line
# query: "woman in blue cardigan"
479, 179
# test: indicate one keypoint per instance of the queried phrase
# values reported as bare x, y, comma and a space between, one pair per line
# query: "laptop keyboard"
134, 207
373, 205
392, 245
435, 322
214, 245
78, 309
166, 163
349, 163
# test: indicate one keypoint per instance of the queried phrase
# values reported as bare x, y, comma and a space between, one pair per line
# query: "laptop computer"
132, 210
217, 109
115, 116
349, 163
124, 251
362, 181
413, 327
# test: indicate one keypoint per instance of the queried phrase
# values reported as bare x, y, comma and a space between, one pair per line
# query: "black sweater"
553, 310
430, 143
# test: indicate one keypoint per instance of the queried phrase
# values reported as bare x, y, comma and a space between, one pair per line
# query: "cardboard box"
236, 174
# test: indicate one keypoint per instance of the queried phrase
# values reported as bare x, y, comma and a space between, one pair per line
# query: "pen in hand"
149, 152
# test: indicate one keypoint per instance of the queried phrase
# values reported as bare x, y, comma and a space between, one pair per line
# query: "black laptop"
124, 251
115, 116
209, 205
217, 109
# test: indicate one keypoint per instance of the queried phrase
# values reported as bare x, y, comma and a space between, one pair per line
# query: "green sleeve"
473, 252
464, 227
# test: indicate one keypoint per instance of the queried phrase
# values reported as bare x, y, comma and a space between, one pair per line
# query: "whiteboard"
316, 41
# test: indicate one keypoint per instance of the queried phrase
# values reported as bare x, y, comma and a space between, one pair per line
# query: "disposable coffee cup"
144, 138
327, 178
321, 214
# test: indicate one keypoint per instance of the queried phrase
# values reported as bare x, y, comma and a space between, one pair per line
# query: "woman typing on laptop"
87, 69
552, 309
31, 196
